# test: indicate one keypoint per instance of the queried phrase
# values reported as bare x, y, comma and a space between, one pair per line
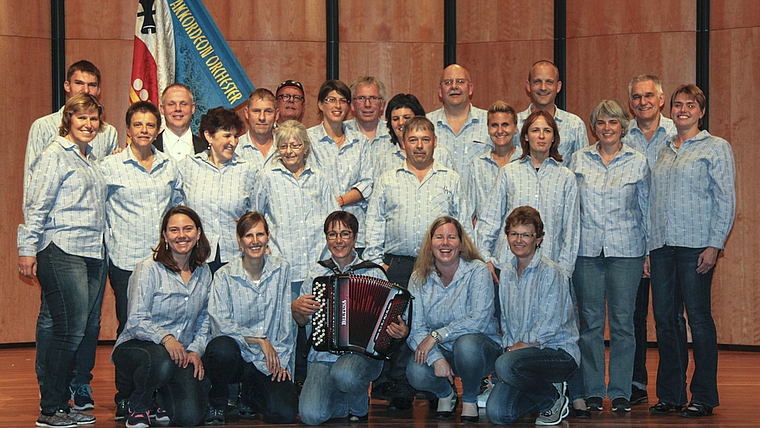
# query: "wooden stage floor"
738, 381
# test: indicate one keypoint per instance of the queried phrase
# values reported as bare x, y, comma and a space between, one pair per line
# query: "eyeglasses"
449, 82
288, 97
344, 234
332, 100
523, 236
371, 99
293, 146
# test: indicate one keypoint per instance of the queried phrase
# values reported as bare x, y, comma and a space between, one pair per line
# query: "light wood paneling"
25, 18
267, 20
481, 21
598, 17
391, 21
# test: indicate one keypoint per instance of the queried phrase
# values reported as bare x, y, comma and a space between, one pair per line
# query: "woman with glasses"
342, 154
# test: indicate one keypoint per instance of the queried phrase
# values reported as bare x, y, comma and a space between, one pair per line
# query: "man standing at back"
543, 85
290, 101
178, 107
368, 105
257, 145
460, 127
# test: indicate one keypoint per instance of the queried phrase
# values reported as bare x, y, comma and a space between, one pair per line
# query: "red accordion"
355, 313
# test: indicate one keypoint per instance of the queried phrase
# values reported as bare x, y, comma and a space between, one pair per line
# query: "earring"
240, 248
167, 245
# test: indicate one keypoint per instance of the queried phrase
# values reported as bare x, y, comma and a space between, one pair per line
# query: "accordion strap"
330, 264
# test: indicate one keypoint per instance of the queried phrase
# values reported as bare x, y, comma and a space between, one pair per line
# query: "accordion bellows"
355, 313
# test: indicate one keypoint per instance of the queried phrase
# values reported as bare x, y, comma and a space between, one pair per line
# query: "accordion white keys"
355, 313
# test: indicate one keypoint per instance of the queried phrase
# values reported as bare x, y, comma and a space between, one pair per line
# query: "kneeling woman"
453, 328
253, 330
168, 325
540, 333
336, 385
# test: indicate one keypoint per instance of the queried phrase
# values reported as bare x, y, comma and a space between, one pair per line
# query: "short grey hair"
612, 109
369, 80
645, 78
294, 129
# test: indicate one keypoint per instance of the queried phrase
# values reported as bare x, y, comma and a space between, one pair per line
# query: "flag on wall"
178, 41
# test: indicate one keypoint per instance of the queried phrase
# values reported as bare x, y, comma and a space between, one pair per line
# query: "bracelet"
166, 339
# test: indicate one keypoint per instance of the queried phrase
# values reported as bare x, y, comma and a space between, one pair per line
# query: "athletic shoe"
59, 419
160, 415
620, 404
214, 416
138, 420
594, 404
558, 411
81, 418
122, 410
485, 391
82, 398
638, 395
245, 412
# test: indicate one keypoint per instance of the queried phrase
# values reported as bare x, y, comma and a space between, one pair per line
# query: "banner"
178, 41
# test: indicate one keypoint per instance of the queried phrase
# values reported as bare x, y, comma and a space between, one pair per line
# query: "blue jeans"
640, 376
73, 289
149, 368
276, 401
675, 284
472, 360
333, 390
525, 382
607, 287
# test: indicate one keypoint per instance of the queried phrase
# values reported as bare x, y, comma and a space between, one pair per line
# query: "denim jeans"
73, 289
149, 368
606, 287
276, 401
675, 285
525, 382
640, 312
472, 360
333, 390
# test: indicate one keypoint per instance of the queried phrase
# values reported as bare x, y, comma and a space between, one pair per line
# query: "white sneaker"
483, 396
558, 411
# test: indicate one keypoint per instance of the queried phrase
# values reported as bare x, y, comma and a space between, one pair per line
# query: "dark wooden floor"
738, 380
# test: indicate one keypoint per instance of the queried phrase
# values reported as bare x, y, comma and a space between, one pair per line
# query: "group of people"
516, 238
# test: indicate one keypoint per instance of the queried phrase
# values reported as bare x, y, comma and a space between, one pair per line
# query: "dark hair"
75, 104
691, 91
250, 219
143, 107
401, 101
220, 118
345, 217
334, 85
85, 67
525, 215
198, 255
553, 151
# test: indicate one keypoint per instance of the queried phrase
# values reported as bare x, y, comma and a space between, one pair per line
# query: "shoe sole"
43, 424
563, 414
88, 406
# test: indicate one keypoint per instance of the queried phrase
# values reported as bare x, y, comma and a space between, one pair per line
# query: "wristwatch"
436, 336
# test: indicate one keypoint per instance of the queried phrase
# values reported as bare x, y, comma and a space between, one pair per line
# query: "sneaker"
245, 412
81, 418
485, 391
59, 419
160, 415
594, 404
381, 391
138, 420
558, 411
620, 404
82, 398
122, 410
638, 395
214, 416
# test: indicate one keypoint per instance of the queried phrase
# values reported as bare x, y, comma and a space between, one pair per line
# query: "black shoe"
696, 410
620, 404
400, 403
581, 413
122, 410
358, 419
594, 404
469, 419
381, 391
638, 395
662, 408
214, 416
448, 412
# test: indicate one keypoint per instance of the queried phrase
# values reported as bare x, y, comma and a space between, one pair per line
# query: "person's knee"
417, 373
498, 416
221, 349
312, 413
282, 413
189, 417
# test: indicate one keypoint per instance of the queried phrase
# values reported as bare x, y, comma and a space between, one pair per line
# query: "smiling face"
543, 86
540, 137
399, 117
686, 112
85, 125
501, 128
223, 143
178, 108
419, 146
523, 247
181, 234
334, 107
608, 129
446, 245
293, 153
261, 115
143, 129
254, 242
645, 103
341, 241
367, 104
455, 86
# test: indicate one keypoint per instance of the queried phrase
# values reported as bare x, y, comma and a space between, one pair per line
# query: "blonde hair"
425, 263
77, 103
292, 129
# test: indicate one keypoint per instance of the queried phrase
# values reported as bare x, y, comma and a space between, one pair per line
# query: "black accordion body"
355, 313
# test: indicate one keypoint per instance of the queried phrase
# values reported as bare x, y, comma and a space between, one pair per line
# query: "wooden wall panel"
498, 41
734, 75
25, 78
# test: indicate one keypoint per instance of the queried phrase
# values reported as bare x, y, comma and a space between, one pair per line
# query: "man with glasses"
290, 101
543, 85
460, 127
367, 105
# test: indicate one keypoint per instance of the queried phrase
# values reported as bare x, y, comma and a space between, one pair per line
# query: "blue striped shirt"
380, 143
483, 173
65, 203
465, 306
471, 141
219, 196
395, 156
295, 209
248, 151
403, 207
572, 131
160, 303
552, 191
693, 198
635, 139
318, 270
240, 308
537, 307
614, 202
136, 202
